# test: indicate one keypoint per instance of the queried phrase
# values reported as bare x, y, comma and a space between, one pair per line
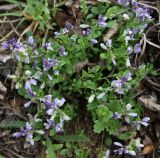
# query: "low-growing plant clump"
94, 68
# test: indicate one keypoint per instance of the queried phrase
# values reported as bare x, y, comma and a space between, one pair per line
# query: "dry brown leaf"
149, 104
149, 149
16, 103
1, 97
110, 33
2, 88
4, 57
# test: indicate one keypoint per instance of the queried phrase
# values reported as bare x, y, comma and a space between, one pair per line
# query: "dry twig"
8, 7
111, 33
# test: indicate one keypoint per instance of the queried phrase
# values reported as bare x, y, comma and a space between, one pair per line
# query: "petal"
131, 152
91, 98
33, 81
133, 114
27, 104
17, 134
103, 46
128, 106
118, 144
145, 119
50, 111
144, 123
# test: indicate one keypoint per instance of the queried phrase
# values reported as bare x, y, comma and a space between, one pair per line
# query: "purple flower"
102, 21
119, 151
87, 32
12, 44
132, 33
94, 41
118, 144
35, 63
117, 115
59, 127
48, 63
27, 132
142, 14
30, 92
52, 105
143, 122
27, 104
49, 124
137, 48
134, 3
125, 3
29, 88
30, 40
5, 45
119, 85
17, 58
132, 114
62, 51
47, 46
67, 28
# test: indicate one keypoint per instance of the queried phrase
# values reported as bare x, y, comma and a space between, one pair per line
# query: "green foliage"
79, 67
12, 124
50, 150
71, 138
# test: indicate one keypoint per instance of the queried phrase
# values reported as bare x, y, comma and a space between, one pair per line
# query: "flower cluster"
52, 106
130, 149
128, 114
124, 3
11, 44
119, 85
102, 21
143, 122
48, 63
68, 27
27, 132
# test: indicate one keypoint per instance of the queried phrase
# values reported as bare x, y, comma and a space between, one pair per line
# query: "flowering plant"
73, 65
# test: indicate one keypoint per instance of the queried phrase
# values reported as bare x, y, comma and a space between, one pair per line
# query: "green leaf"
99, 126
112, 23
17, 14
113, 126
84, 7
57, 146
92, 106
112, 11
37, 138
12, 124
125, 135
1, 156
22, 91
115, 106
108, 141
52, 132
71, 138
50, 151
104, 55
